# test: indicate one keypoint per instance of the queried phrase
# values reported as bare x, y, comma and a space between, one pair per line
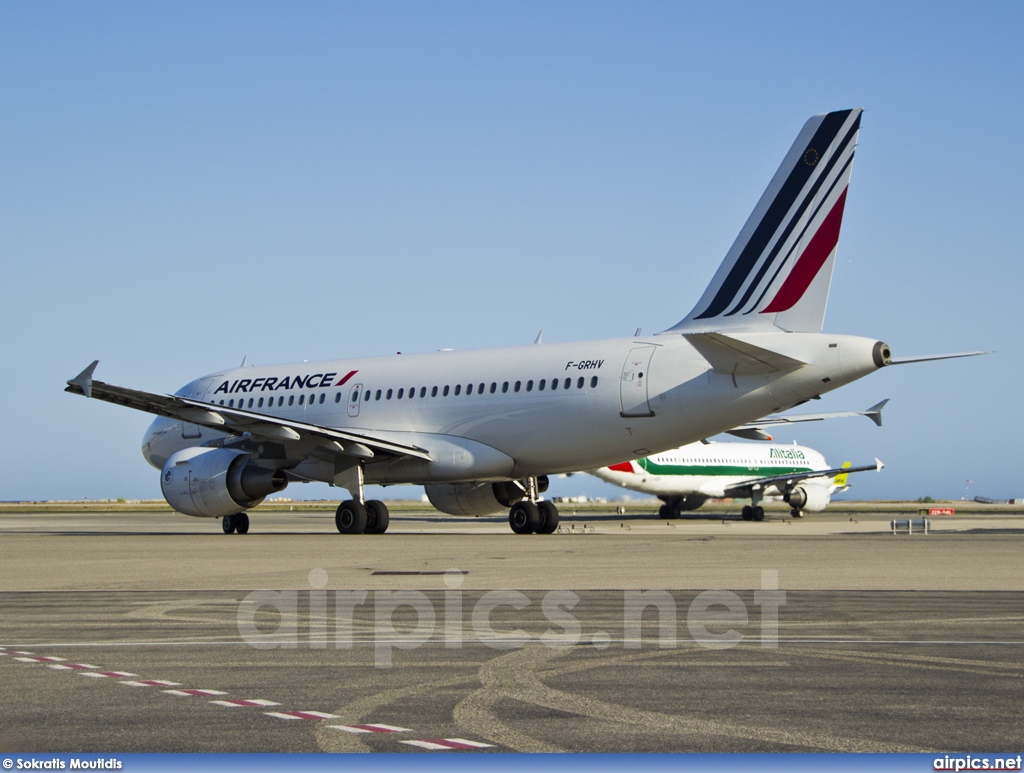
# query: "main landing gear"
354, 517
239, 522
755, 513
531, 515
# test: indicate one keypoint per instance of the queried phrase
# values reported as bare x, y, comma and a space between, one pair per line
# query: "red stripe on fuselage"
810, 263
622, 467
348, 375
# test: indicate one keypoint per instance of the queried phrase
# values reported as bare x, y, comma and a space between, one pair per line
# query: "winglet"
879, 464
84, 379
875, 412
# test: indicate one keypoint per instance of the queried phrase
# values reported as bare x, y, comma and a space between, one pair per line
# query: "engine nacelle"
808, 496
214, 482
475, 498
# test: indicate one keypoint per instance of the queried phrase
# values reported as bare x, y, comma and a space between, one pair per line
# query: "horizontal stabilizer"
930, 357
733, 357
750, 430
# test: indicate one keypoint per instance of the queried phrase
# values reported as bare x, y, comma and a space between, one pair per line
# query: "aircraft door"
633, 384
191, 431
354, 396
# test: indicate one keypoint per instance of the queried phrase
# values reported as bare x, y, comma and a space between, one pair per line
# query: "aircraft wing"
743, 489
755, 429
236, 421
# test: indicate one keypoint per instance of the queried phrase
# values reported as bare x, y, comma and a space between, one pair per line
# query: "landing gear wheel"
548, 517
241, 523
673, 512
664, 512
351, 517
227, 523
377, 517
748, 513
758, 513
796, 513
524, 517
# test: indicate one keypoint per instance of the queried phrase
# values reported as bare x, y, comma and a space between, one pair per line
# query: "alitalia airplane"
482, 430
685, 478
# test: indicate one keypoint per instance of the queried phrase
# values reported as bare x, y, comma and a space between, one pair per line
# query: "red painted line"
72, 667
151, 683
300, 715
195, 693
253, 702
346, 377
110, 674
370, 728
441, 744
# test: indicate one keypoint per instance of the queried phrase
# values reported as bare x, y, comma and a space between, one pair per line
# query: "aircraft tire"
664, 512
758, 513
748, 513
548, 517
241, 523
524, 517
377, 517
227, 523
350, 517
796, 513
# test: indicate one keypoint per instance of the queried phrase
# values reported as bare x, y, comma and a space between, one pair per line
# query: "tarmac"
151, 631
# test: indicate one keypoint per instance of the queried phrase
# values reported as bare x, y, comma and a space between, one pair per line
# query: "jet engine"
474, 499
808, 496
215, 482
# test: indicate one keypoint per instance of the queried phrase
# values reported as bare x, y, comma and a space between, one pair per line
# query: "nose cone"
156, 443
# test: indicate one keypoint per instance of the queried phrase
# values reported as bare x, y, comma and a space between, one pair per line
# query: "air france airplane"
482, 430
685, 478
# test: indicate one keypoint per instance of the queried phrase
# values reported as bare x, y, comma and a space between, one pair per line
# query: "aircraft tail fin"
777, 273
841, 478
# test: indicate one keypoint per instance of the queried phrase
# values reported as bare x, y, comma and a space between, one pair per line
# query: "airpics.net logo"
389, 620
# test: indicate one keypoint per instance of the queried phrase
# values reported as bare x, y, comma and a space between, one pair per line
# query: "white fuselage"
494, 414
713, 469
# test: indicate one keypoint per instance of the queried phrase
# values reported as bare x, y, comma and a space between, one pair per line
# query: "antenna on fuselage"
540, 335
244, 358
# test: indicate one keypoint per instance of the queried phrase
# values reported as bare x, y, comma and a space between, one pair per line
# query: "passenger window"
337, 397
388, 395
433, 392
322, 396
401, 393
469, 389
445, 390
504, 387
579, 383
568, 383
423, 391
412, 392
540, 386
259, 403
458, 389
494, 387
231, 403
280, 401
554, 384
377, 396
593, 382
250, 402
529, 385
480, 389
291, 399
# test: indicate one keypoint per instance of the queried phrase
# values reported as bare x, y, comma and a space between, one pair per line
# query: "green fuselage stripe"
719, 470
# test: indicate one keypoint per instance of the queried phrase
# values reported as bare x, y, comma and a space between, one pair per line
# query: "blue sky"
187, 183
